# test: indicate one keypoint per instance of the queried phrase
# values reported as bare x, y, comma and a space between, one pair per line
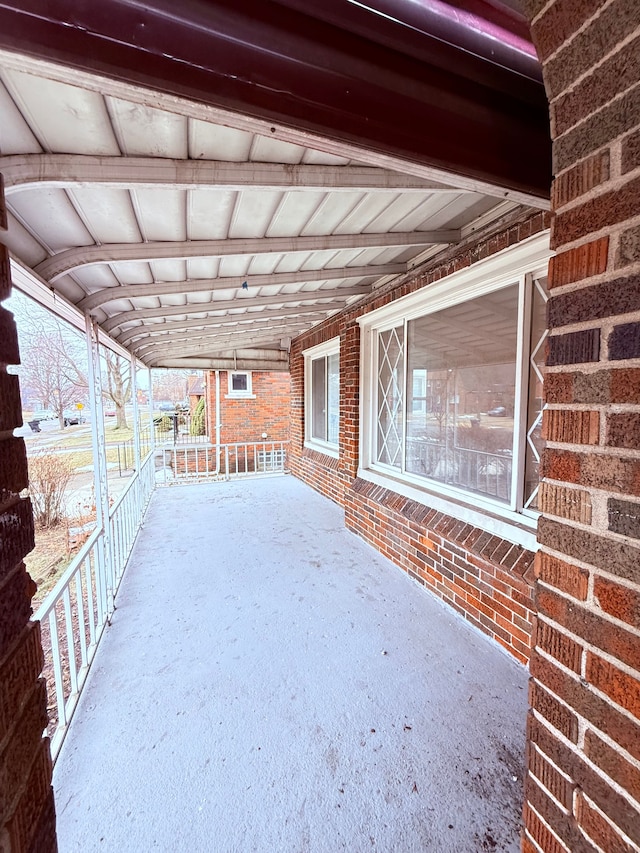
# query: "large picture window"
322, 396
454, 387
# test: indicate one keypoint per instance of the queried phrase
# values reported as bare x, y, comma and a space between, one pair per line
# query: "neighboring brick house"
253, 405
195, 391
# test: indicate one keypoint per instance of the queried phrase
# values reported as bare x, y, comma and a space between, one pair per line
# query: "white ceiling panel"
195, 298
263, 264
462, 210
15, 134
293, 213
96, 277
253, 213
266, 150
66, 119
132, 272
169, 270
365, 211
50, 213
319, 158
22, 243
236, 265
108, 212
292, 262
317, 260
142, 302
70, 289
203, 267
398, 209
334, 208
216, 142
174, 299
162, 213
142, 130
210, 213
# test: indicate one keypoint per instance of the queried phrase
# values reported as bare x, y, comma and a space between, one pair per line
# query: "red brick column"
27, 818
583, 788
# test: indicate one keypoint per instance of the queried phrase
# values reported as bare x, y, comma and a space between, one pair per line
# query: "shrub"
49, 475
166, 423
198, 421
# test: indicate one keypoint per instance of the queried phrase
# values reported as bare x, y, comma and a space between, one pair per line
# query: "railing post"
100, 466
152, 426
136, 421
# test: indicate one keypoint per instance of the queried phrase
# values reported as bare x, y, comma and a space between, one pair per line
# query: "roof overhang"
208, 180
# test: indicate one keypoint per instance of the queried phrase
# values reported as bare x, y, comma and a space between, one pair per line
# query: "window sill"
516, 528
320, 447
239, 396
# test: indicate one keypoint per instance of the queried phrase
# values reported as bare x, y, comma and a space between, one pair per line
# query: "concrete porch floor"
271, 683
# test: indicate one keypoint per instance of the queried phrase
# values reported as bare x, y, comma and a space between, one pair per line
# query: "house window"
452, 379
240, 383
322, 396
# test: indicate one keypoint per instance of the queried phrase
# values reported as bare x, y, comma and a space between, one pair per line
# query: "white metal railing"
74, 614
488, 473
221, 462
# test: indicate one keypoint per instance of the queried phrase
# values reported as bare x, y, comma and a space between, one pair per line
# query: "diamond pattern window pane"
534, 444
390, 396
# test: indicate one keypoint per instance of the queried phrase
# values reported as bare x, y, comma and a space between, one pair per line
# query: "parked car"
109, 413
498, 412
166, 406
43, 415
71, 417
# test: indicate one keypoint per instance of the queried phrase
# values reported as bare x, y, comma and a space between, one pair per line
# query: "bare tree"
170, 385
52, 358
118, 385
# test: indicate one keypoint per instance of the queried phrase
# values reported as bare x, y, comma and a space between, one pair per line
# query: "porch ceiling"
197, 236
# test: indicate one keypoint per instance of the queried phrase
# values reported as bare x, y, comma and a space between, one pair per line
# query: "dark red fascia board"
284, 66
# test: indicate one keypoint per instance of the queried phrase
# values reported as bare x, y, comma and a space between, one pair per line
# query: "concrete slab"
271, 683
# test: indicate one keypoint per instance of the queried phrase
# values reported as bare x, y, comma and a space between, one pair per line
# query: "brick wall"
246, 419
27, 818
485, 578
583, 789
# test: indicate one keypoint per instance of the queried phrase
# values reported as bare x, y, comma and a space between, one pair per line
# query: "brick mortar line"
555, 766
574, 34
613, 184
550, 830
592, 236
581, 326
542, 11
578, 749
590, 368
608, 230
539, 783
605, 277
593, 68
617, 97
617, 829
607, 408
597, 449
529, 837
580, 564
581, 641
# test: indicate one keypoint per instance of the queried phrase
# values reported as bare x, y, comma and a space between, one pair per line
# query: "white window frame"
239, 395
512, 266
323, 350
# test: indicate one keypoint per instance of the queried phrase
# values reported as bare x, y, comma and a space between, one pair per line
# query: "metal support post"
153, 426
105, 573
136, 418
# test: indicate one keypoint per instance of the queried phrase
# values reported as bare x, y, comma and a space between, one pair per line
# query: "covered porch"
270, 682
